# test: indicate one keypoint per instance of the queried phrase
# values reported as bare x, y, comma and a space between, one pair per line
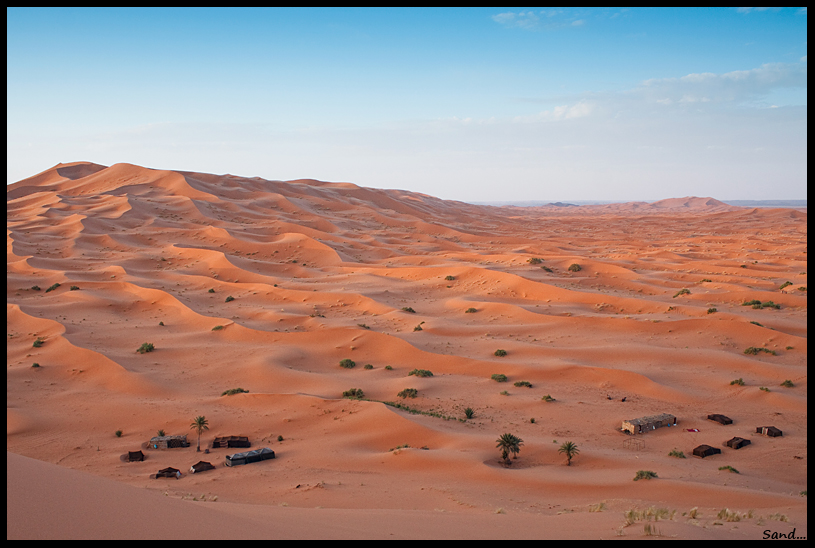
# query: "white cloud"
524, 19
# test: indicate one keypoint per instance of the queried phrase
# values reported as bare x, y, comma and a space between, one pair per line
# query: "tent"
200, 466
134, 456
771, 431
169, 473
231, 441
705, 451
721, 419
249, 456
737, 443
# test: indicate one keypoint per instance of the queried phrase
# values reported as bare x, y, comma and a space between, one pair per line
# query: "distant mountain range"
738, 203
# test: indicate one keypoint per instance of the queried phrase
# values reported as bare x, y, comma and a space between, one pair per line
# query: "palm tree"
199, 424
509, 443
570, 450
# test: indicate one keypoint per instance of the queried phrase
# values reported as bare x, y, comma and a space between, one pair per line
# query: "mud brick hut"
771, 431
721, 419
737, 442
231, 441
169, 442
651, 422
705, 451
249, 456
201, 466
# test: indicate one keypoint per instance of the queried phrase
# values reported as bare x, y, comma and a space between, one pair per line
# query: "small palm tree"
509, 443
199, 424
570, 450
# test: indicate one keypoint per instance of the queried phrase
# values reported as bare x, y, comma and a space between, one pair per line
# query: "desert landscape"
139, 299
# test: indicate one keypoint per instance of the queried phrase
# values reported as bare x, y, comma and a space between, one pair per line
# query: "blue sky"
486, 104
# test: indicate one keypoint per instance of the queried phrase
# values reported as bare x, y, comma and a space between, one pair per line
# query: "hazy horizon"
474, 105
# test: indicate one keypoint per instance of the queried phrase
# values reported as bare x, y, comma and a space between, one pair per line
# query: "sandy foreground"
321, 272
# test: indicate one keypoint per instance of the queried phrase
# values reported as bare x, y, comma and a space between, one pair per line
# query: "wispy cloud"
543, 20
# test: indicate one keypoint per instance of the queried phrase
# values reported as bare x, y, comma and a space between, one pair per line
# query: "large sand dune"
319, 272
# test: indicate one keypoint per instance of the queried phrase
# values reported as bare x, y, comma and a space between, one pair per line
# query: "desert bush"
738, 381
39, 342
161, 324
354, 393
347, 363
770, 304
574, 267
534, 260
408, 393
363, 326
788, 383
532, 420
754, 350
504, 393
217, 328
35, 364
53, 287
74, 287
644, 474
408, 309
547, 397
145, 347
421, 373
547, 269
764, 388
449, 278
229, 299
728, 467
499, 377
388, 368
233, 391
418, 327
279, 438
161, 433
35, 287
368, 366
705, 280
118, 433
751, 302
211, 290
523, 383
677, 454
785, 284
470, 311
500, 353
469, 412
712, 310
683, 291
756, 323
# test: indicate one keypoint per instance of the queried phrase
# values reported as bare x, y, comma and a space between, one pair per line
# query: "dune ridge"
241, 282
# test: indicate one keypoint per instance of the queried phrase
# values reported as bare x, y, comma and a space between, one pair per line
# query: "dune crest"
578, 317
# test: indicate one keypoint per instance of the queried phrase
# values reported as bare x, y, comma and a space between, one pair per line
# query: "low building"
721, 419
651, 422
231, 441
771, 431
249, 456
169, 442
705, 451
737, 443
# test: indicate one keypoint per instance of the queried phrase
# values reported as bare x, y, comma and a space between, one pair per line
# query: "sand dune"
240, 282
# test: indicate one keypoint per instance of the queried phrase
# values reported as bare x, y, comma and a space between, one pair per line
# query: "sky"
476, 105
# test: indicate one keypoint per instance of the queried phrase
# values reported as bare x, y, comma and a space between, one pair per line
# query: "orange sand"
320, 272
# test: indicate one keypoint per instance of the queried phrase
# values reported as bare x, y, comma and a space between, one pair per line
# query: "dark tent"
249, 456
771, 431
200, 466
705, 451
737, 443
231, 441
134, 456
169, 473
721, 419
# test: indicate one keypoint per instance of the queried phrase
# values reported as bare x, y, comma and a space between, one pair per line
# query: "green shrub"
498, 377
233, 391
363, 326
229, 299
751, 303
785, 284
470, 310
418, 327
348, 364
469, 412
683, 291
74, 287
449, 278
279, 438
35, 364
53, 287
547, 269
532, 420
753, 350
523, 383
802, 288
354, 394
705, 280
677, 454
547, 397
421, 373
161, 433
770, 304
574, 267
728, 467
764, 388
118, 433
35, 287
500, 353
738, 381
39, 342
211, 291
504, 393
388, 368
756, 323
712, 310
217, 328
788, 383
408, 309
368, 366
534, 260
146, 347
161, 324
644, 474
408, 393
